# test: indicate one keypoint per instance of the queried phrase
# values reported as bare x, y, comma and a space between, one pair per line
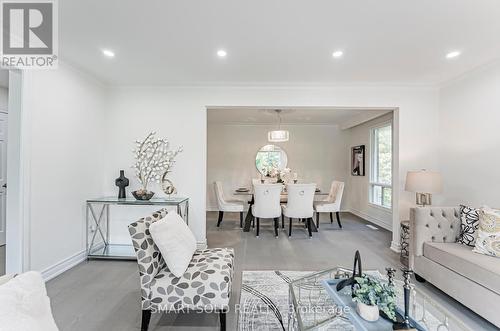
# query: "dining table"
283, 199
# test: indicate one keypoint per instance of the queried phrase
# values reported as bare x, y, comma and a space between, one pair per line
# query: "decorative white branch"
153, 158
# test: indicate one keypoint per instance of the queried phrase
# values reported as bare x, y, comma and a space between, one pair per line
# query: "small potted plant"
371, 296
153, 158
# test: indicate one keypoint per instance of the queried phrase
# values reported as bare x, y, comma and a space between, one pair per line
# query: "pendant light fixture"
278, 136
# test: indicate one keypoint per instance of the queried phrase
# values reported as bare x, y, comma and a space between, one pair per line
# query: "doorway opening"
320, 149
4, 112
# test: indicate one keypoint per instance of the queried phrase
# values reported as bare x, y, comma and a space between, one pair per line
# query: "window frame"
373, 165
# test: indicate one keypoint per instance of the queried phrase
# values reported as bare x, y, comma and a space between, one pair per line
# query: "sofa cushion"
482, 269
24, 304
488, 234
206, 284
469, 218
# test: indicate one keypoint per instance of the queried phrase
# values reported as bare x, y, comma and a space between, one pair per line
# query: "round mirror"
270, 157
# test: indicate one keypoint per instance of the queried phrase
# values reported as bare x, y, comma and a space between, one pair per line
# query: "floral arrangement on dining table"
282, 175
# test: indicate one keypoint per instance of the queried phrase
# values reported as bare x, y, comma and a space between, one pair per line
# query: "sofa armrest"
5, 278
432, 224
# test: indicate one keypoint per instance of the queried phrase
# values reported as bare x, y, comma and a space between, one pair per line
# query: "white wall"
357, 195
470, 139
66, 112
180, 115
315, 152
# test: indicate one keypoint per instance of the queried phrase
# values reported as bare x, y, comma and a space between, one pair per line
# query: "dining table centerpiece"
282, 176
153, 159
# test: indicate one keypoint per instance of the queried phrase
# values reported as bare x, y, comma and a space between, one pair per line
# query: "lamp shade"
278, 136
424, 181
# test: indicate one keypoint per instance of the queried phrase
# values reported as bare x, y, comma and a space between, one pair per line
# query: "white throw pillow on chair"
175, 241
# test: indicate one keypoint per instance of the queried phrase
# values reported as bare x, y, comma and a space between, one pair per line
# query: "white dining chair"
300, 204
331, 204
267, 204
227, 205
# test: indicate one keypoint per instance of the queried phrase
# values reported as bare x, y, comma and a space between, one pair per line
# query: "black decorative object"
405, 324
358, 160
352, 280
122, 182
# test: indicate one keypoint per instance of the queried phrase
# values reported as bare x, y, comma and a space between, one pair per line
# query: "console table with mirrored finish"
98, 227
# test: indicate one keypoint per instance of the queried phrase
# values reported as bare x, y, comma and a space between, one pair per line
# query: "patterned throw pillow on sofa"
469, 218
488, 234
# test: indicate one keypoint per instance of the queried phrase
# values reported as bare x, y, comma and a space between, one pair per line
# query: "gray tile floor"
104, 295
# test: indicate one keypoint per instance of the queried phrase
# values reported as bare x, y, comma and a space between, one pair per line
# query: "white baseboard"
396, 247
64, 265
371, 219
202, 244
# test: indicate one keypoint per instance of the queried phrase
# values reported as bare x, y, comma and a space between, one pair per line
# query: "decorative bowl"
143, 195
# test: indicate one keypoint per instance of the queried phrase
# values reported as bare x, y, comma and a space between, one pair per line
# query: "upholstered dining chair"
204, 287
331, 204
300, 204
267, 204
227, 205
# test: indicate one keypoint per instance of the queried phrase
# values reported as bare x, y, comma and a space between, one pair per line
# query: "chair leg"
222, 316
241, 219
221, 215
331, 218
308, 221
317, 220
290, 228
338, 219
276, 226
253, 222
282, 221
258, 226
146, 316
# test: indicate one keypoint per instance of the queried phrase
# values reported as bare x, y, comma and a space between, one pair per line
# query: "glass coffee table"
312, 308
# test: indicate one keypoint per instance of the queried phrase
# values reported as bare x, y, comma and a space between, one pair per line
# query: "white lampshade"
424, 181
278, 136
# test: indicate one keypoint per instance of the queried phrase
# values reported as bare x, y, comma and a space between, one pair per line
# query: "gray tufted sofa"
204, 287
472, 279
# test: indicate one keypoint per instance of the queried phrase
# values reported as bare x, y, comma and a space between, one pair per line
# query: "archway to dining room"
357, 147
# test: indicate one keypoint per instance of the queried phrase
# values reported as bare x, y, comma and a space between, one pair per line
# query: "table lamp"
424, 183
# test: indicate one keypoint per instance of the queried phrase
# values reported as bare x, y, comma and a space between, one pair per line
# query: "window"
381, 166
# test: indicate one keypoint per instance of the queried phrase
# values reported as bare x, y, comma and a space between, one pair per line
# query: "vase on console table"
122, 182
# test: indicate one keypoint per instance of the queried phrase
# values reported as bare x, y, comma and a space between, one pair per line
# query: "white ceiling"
302, 116
272, 41
4, 78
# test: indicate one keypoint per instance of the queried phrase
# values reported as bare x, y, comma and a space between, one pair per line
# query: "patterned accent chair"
205, 286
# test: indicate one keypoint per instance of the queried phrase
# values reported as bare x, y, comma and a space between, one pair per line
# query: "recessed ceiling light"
221, 53
452, 55
337, 54
108, 53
